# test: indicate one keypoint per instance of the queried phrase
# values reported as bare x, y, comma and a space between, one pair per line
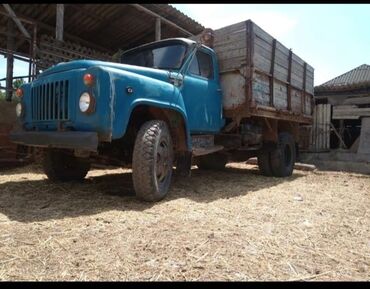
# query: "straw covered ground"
229, 225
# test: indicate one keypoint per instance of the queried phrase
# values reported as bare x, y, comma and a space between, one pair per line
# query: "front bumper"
67, 139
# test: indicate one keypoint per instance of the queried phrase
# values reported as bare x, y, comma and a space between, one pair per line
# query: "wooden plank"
237, 27
262, 34
238, 43
235, 53
350, 114
16, 20
314, 133
321, 126
357, 100
328, 120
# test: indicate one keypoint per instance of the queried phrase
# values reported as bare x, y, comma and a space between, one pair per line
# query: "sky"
333, 38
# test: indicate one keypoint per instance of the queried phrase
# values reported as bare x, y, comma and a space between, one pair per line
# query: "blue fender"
126, 90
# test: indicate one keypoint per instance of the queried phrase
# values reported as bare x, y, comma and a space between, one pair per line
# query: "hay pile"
231, 225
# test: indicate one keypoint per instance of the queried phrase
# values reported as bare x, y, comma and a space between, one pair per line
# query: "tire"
282, 159
212, 162
264, 165
61, 166
152, 161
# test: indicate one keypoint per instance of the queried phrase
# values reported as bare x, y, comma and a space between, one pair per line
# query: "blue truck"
225, 95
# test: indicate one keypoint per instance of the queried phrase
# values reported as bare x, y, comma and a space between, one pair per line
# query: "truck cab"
141, 112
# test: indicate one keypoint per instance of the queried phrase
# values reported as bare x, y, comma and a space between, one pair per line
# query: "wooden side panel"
230, 46
280, 95
320, 134
261, 89
249, 57
296, 100
281, 62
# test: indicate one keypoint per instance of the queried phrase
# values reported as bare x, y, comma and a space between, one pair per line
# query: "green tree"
2, 95
16, 84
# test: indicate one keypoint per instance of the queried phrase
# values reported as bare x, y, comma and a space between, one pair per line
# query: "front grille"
49, 101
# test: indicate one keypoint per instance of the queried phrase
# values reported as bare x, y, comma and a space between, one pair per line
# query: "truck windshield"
169, 56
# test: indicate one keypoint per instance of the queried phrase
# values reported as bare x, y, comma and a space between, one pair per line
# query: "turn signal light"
19, 92
88, 79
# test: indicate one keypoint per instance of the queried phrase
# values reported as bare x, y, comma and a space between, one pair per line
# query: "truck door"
202, 94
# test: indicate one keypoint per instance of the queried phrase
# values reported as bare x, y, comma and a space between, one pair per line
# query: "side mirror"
176, 78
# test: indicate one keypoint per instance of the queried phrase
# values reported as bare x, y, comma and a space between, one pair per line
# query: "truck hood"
85, 64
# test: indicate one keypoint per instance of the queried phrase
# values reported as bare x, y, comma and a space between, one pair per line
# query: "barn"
341, 129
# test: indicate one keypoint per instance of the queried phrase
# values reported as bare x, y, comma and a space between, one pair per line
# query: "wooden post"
272, 73
10, 60
157, 29
34, 51
289, 87
140, 7
59, 22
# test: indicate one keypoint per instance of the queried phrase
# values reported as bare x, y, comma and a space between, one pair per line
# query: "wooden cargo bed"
260, 76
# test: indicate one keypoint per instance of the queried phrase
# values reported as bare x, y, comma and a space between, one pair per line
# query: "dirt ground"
229, 225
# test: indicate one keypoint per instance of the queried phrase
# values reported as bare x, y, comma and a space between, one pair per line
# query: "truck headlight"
19, 109
86, 103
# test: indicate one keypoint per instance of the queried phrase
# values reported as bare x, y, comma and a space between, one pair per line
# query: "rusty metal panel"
232, 84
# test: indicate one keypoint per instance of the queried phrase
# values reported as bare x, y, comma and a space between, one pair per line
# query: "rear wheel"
212, 162
59, 165
282, 159
264, 165
152, 161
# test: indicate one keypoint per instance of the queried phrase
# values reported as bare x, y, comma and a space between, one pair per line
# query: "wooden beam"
49, 28
157, 29
16, 20
348, 112
140, 7
342, 143
59, 22
106, 23
358, 100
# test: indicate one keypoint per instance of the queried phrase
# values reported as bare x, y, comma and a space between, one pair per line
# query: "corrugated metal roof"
355, 78
107, 27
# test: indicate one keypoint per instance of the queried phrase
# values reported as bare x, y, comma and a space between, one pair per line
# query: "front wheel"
152, 161
60, 165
